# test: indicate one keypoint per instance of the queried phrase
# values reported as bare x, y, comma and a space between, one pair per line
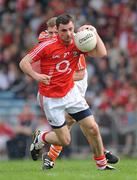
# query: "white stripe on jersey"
80, 66
41, 46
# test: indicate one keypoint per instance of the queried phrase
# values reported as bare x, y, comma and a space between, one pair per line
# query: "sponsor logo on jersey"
56, 56
66, 54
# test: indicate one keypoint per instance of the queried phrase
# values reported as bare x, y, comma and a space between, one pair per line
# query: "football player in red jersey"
57, 94
80, 78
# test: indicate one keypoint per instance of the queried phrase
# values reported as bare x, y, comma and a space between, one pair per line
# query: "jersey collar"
61, 42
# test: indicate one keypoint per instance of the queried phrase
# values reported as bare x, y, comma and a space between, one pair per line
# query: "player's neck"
66, 43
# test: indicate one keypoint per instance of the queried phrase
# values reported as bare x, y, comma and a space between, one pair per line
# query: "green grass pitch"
66, 170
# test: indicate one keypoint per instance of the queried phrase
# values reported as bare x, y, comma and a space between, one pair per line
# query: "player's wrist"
35, 76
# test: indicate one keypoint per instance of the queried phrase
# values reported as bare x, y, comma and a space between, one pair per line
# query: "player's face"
52, 31
66, 31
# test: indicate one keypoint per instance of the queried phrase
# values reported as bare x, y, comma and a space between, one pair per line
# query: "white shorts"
83, 84
55, 108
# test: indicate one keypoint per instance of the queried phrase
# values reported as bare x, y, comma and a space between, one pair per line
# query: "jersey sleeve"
38, 52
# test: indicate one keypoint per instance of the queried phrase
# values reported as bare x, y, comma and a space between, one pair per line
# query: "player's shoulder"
45, 45
48, 42
43, 36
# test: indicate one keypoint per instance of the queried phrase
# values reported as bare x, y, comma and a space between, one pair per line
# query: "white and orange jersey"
44, 35
82, 84
82, 63
59, 62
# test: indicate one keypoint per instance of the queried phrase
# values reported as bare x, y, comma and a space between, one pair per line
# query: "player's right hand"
42, 78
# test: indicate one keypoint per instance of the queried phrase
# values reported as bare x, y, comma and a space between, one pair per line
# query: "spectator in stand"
18, 145
6, 133
24, 87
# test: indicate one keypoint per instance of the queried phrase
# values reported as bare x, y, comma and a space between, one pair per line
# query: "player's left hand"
88, 27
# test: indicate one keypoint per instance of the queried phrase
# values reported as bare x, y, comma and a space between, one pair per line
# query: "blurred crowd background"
112, 82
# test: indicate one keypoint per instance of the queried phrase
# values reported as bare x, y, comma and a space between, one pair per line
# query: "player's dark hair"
64, 19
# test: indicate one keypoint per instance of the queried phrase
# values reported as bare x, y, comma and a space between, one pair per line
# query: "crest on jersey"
75, 54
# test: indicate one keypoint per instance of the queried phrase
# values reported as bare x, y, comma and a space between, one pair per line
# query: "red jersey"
44, 35
59, 62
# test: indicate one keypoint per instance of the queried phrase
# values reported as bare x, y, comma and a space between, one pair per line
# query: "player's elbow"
103, 53
99, 53
21, 64
25, 62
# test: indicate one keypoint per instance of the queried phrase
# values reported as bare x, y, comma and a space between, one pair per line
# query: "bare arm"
25, 65
79, 75
100, 49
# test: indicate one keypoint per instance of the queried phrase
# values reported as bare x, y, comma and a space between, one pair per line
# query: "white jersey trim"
40, 47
